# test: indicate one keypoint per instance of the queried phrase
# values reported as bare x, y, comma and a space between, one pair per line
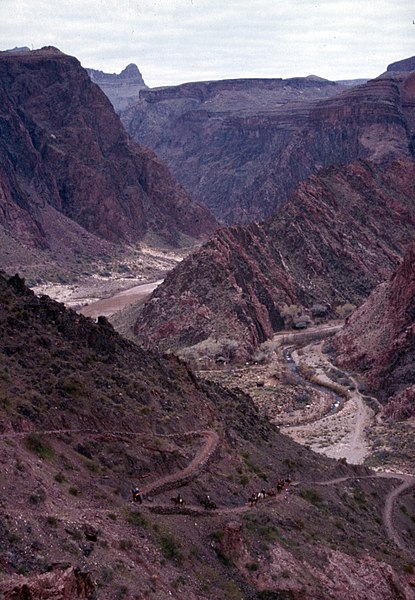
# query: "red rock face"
243, 146
379, 340
340, 235
66, 584
63, 150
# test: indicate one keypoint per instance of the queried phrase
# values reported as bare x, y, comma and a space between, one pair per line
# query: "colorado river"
109, 306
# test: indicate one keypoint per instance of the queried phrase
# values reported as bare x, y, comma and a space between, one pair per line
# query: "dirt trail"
339, 435
407, 482
342, 434
199, 462
195, 467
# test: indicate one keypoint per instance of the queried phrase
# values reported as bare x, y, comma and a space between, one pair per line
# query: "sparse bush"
290, 311
169, 547
38, 497
311, 496
319, 310
265, 352
73, 490
345, 310
71, 387
36, 445
136, 518
107, 574
60, 477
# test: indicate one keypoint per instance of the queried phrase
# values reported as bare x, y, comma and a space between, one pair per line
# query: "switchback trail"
346, 431
200, 462
407, 481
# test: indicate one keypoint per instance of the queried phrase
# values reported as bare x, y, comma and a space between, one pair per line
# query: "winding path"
349, 441
341, 434
207, 452
407, 482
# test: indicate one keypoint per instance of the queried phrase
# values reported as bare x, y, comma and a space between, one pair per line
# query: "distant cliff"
68, 170
243, 146
123, 89
402, 66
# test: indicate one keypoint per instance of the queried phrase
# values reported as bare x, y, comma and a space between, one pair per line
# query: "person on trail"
137, 497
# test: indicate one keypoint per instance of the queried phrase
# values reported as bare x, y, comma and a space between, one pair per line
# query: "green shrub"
169, 547
136, 518
60, 477
311, 496
39, 447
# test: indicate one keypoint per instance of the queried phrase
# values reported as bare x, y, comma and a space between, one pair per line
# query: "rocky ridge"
243, 146
379, 340
341, 234
70, 177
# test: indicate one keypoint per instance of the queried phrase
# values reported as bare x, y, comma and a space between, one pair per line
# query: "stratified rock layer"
123, 89
68, 167
340, 235
379, 340
243, 146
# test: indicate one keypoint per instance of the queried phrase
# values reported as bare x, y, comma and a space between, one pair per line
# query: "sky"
174, 41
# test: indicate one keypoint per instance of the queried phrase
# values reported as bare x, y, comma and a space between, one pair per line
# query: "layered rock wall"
243, 146
65, 157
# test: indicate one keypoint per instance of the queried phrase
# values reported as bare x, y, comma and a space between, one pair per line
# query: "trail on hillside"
407, 482
342, 434
347, 425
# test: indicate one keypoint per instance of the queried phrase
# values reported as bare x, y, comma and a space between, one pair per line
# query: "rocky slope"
69, 175
379, 340
342, 233
84, 414
122, 89
243, 146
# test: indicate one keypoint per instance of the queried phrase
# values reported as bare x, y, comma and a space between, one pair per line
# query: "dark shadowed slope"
243, 146
379, 340
340, 234
67, 167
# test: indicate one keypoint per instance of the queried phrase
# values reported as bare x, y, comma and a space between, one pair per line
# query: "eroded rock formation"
122, 89
243, 146
379, 340
59, 584
69, 170
341, 234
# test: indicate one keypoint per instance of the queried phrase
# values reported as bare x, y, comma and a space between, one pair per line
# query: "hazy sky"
173, 41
